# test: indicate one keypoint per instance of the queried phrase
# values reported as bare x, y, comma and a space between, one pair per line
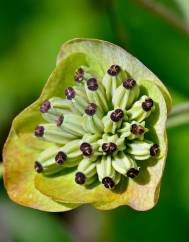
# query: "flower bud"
125, 94
86, 172
92, 122
142, 150
141, 109
111, 144
133, 130
96, 94
113, 120
124, 164
106, 173
112, 80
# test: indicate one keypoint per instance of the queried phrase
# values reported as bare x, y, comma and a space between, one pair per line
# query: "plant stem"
1, 170
163, 12
179, 115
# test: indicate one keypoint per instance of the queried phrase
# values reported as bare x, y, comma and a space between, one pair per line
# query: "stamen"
114, 70
132, 173
108, 182
109, 147
91, 109
60, 158
70, 93
129, 84
86, 149
60, 120
38, 167
39, 131
137, 129
80, 178
92, 84
79, 75
45, 107
147, 105
117, 115
154, 150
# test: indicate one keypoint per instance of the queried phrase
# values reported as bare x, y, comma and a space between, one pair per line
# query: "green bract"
96, 135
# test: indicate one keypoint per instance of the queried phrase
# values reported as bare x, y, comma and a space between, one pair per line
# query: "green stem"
163, 12
179, 115
1, 170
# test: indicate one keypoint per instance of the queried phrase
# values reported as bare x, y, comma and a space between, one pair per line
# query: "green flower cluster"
96, 135
99, 128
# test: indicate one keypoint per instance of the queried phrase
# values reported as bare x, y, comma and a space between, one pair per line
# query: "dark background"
156, 32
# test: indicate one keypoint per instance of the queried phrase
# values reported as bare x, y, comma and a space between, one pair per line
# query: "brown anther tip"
45, 107
60, 158
39, 131
154, 150
129, 84
108, 182
79, 75
137, 129
114, 70
117, 115
147, 104
109, 147
91, 109
86, 149
38, 167
59, 120
92, 84
132, 173
70, 93
80, 178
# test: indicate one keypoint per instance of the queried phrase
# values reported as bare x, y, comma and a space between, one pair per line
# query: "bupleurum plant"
96, 135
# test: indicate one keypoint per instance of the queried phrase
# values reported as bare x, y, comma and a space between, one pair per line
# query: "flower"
96, 135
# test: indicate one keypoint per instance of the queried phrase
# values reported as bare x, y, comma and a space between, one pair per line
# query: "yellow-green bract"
59, 192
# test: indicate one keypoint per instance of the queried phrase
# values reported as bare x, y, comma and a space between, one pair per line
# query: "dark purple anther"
154, 150
60, 120
80, 178
92, 84
45, 107
70, 93
147, 104
114, 70
117, 115
79, 75
91, 109
129, 84
109, 147
132, 173
137, 129
38, 167
60, 158
108, 182
39, 131
86, 149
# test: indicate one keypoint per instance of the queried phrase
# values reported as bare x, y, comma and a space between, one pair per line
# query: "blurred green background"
157, 32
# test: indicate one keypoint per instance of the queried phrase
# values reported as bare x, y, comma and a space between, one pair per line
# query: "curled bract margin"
97, 134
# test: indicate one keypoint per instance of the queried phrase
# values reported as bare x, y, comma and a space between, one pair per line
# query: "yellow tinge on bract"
101, 138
